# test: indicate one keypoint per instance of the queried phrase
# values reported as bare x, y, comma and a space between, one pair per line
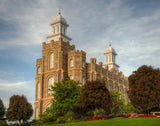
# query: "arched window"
71, 77
38, 70
51, 60
49, 105
71, 63
50, 83
38, 90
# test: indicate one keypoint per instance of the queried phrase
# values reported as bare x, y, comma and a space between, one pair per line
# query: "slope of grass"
116, 122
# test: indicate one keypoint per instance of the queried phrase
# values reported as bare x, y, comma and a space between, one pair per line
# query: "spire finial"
59, 11
110, 43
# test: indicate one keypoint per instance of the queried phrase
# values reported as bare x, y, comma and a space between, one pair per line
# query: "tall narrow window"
108, 60
71, 63
50, 83
57, 29
53, 29
64, 31
83, 64
61, 29
38, 70
38, 90
110, 87
83, 80
51, 60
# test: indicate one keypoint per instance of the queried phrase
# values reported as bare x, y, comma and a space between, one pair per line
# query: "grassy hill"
116, 122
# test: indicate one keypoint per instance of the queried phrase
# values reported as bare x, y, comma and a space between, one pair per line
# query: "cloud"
26, 88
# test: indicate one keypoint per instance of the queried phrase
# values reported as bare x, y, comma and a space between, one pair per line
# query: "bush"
60, 120
78, 111
49, 117
98, 112
69, 116
2, 123
129, 108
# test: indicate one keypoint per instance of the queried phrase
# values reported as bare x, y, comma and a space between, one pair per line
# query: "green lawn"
116, 122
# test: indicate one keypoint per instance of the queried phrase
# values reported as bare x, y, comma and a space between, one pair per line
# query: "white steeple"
59, 29
110, 58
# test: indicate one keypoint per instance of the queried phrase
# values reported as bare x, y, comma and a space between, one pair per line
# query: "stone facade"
59, 59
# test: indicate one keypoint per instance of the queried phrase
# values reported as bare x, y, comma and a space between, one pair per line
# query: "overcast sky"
132, 25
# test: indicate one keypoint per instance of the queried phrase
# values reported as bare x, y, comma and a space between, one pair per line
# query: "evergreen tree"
144, 87
2, 109
19, 109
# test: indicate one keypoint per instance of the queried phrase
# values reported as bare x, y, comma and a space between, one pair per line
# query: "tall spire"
59, 11
110, 43
110, 57
59, 28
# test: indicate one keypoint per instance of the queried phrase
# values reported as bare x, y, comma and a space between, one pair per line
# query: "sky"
133, 26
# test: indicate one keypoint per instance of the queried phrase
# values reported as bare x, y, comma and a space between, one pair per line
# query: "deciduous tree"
144, 87
65, 94
118, 103
95, 95
19, 109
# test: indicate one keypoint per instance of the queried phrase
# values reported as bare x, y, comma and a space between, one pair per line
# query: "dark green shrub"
69, 116
2, 123
78, 111
49, 117
98, 112
60, 120
59, 114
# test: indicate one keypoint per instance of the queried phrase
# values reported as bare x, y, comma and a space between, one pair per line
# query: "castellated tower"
60, 58
77, 65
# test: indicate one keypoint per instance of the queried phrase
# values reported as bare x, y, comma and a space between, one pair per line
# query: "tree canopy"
19, 109
95, 95
2, 109
118, 103
65, 94
144, 87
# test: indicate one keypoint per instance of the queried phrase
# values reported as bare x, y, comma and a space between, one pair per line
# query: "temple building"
60, 58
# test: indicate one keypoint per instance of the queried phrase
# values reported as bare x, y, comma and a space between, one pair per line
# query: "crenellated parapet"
114, 78
57, 44
39, 61
77, 53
